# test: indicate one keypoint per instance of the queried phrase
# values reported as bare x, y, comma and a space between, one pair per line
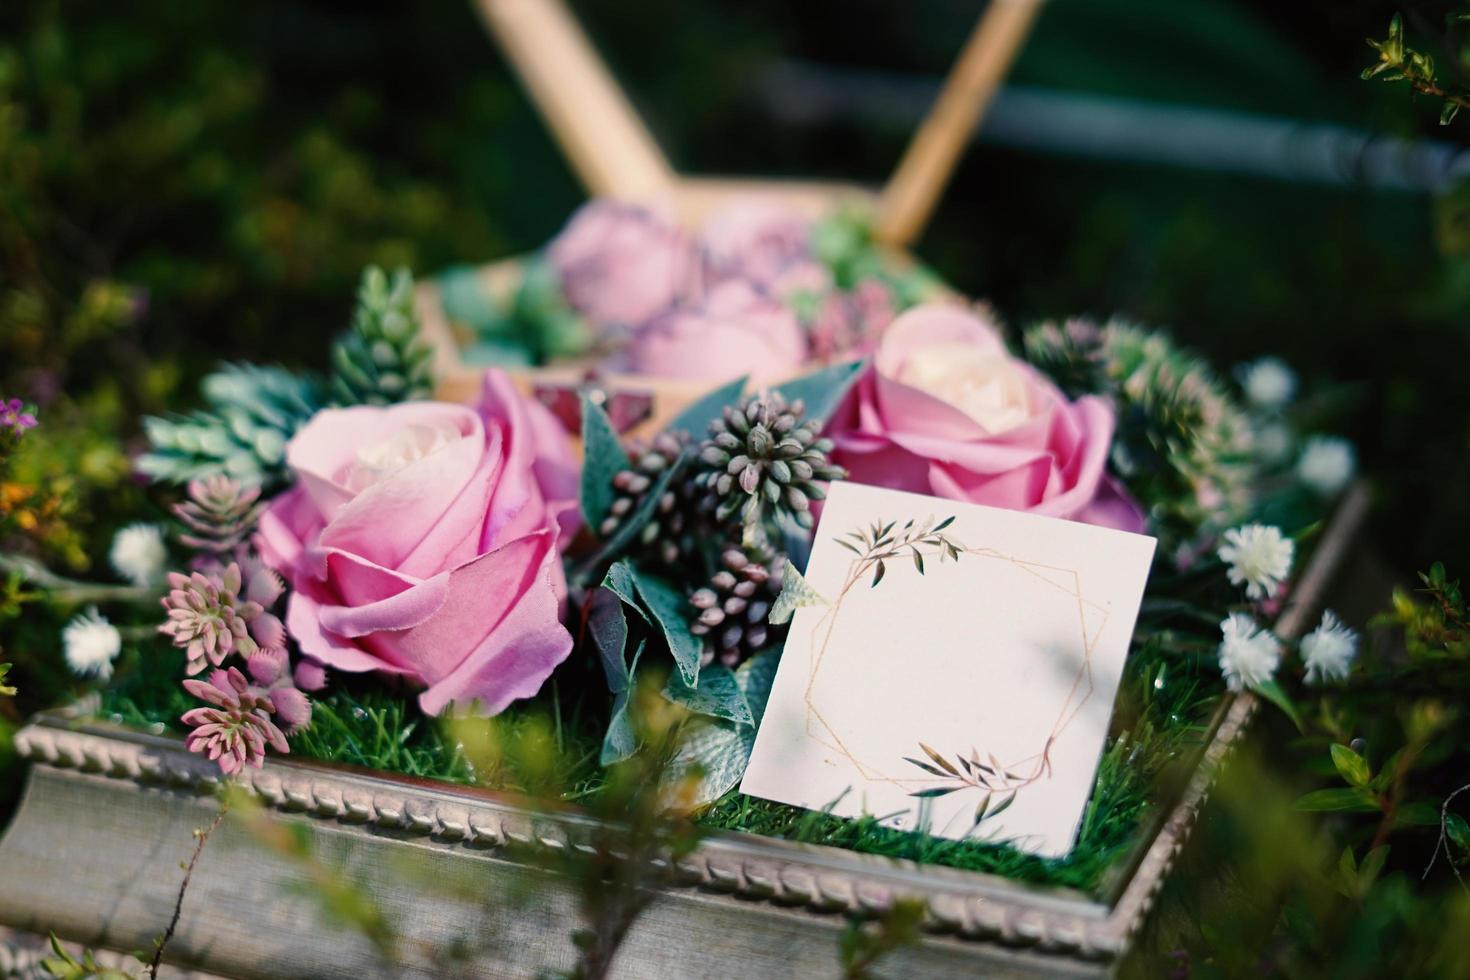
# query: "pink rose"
945, 410
424, 540
735, 331
622, 265
756, 240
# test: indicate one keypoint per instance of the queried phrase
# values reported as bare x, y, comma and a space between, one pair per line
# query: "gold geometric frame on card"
924, 541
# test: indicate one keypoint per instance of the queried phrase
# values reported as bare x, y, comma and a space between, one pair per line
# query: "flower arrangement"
354, 564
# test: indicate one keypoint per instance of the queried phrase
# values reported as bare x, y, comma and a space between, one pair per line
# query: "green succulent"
382, 359
253, 412
1183, 445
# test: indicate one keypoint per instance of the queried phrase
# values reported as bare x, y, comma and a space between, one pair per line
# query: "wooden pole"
600, 132
911, 194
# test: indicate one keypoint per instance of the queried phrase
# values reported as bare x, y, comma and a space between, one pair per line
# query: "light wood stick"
600, 132
911, 194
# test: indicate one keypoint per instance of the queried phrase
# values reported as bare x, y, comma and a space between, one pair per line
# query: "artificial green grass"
1169, 693
1164, 708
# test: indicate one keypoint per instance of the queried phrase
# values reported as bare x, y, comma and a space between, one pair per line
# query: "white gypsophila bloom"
1327, 464
138, 553
1268, 383
1273, 442
91, 644
1249, 655
1329, 650
1257, 556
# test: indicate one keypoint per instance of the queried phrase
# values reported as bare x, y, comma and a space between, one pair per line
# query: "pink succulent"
235, 727
207, 618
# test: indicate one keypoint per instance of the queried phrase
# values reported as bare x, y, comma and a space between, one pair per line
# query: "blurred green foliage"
185, 184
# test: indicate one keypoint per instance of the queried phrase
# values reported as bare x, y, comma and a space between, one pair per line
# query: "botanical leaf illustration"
879, 542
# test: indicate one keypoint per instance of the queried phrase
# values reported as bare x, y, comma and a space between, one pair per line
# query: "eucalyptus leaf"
667, 606
755, 678
621, 741
630, 528
696, 418
823, 390
603, 458
721, 751
607, 623
717, 694
621, 580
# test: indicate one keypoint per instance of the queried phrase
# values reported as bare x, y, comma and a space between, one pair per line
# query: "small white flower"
1249, 655
1268, 383
138, 553
1329, 650
1327, 464
1273, 442
1258, 557
91, 644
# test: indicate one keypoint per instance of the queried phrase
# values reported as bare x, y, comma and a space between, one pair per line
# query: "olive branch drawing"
991, 777
879, 543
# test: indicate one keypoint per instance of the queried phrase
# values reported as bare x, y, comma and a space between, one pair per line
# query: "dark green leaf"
943, 524
1272, 692
878, 575
1420, 813
1352, 767
1370, 867
1347, 798
1458, 831
929, 794
918, 561
603, 457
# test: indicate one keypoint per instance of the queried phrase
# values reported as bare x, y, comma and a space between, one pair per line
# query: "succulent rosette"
944, 409
424, 539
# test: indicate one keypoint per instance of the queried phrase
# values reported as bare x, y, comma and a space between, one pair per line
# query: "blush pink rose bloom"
736, 330
757, 240
622, 265
945, 410
424, 539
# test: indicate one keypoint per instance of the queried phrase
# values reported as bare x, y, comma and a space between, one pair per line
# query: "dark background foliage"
187, 183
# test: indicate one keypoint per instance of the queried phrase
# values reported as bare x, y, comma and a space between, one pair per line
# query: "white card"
1003, 656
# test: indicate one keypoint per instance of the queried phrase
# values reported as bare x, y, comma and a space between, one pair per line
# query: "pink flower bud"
267, 665
292, 707
311, 675
268, 631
